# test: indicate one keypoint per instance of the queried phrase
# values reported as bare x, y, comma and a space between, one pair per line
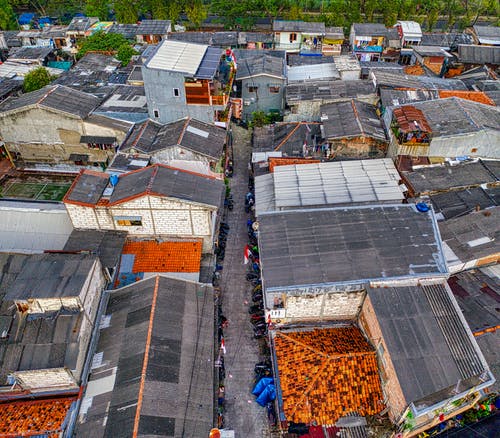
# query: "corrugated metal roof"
314, 72
336, 183
178, 56
29, 227
411, 119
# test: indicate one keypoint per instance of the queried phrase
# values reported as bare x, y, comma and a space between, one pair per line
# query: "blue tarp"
26, 18
261, 385
268, 395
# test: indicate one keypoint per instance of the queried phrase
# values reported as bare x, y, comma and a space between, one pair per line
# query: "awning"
97, 140
79, 157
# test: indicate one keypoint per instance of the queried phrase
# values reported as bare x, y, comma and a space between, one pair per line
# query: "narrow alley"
242, 413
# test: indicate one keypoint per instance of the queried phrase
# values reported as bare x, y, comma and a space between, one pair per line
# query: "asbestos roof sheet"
390, 97
472, 54
167, 181
455, 116
344, 182
87, 188
429, 345
298, 26
459, 202
301, 73
389, 79
487, 34
177, 56
129, 31
154, 27
107, 244
56, 97
474, 235
29, 227
347, 244
52, 275
437, 178
410, 28
169, 322
369, 29
352, 118
261, 65
328, 90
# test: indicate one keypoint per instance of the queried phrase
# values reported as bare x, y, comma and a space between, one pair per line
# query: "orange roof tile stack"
171, 256
275, 161
28, 418
475, 96
327, 373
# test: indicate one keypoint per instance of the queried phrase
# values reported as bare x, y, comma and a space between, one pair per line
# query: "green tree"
159, 9
196, 12
124, 54
102, 42
97, 8
174, 9
36, 79
126, 11
7, 16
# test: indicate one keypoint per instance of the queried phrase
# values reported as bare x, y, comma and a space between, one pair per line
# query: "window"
128, 221
293, 37
253, 88
274, 89
177, 93
156, 113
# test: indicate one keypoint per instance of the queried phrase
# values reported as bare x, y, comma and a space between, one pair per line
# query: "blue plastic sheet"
261, 385
268, 395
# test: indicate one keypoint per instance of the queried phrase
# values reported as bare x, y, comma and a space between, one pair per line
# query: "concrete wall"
393, 394
159, 86
160, 217
46, 136
322, 304
263, 99
360, 147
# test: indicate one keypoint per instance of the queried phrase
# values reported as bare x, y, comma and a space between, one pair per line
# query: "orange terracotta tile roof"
327, 373
171, 256
414, 70
475, 96
27, 418
273, 162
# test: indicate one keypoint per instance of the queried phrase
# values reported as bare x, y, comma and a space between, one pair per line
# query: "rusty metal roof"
411, 119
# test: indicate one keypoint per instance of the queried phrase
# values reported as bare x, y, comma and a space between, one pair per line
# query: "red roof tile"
27, 418
411, 119
327, 373
475, 96
171, 256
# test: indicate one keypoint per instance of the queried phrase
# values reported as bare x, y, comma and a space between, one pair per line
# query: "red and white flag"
223, 345
247, 254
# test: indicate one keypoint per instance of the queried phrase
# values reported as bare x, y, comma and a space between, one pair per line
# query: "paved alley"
243, 414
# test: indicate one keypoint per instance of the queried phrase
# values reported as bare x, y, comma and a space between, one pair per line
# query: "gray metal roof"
303, 73
298, 26
125, 99
472, 54
389, 79
260, 65
295, 59
455, 116
31, 227
429, 345
320, 184
178, 394
429, 179
106, 244
328, 90
459, 202
487, 34
474, 235
81, 24
8, 86
352, 118
129, 31
391, 97
30, 53
200, 137
170, 182
445, 40
51, 275
369, 29
56, 97
347, 244
154, 27
87, 188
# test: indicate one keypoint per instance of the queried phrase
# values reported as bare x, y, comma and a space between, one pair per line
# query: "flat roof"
348, 245
301, 73
177, 56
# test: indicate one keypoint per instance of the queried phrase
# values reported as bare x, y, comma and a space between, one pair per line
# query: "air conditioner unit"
246, 102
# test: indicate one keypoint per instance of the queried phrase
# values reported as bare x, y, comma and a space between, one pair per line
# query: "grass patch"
37, 191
